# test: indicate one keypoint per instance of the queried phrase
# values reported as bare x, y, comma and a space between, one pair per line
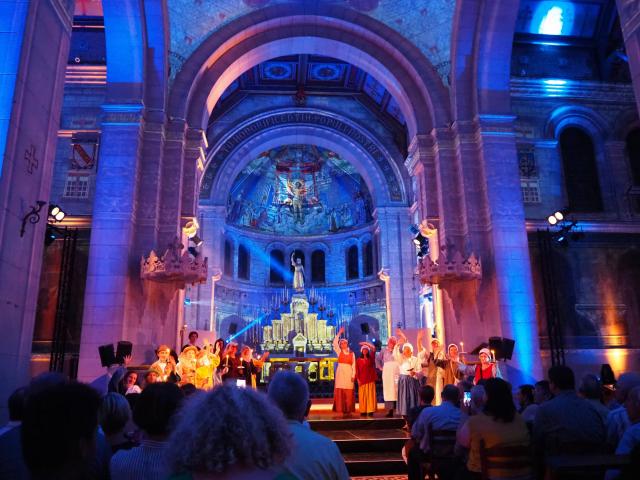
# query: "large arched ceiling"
427, 26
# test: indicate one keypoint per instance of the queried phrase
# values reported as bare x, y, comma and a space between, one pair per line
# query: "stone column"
510, 267
398, 261
629, 11
34, 47
171, 184
620, 178
193, 158
111, 261
421, 165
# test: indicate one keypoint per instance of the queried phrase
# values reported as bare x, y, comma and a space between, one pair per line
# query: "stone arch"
386, 180
311, 28
590, 121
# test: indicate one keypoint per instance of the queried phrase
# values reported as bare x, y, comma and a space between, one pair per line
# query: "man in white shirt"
313, 455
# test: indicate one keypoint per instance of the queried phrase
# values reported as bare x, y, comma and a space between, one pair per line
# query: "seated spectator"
427, 394
312, 455
527, 407
478, 400
567, 422
128, 384
498, 425
618, 420
542, 392
445, 416
188, 389
152, 414
591, 390
114, 416
59, 431
151, 376
16, 409
630, 441
229, 433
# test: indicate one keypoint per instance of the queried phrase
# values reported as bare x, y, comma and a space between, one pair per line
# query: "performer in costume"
218, 349
165, 364
186, 367
430, 361
452, 368
367, 375
250, 367
408, 384
343, 397
486, 369
386, 362
206, 364
229, 363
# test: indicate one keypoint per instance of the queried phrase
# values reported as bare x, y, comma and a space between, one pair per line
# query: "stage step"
369, 446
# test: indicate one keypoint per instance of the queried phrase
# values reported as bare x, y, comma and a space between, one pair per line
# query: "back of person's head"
59, 430
590, 387
114, 413
291, 394
427, 394
632, 405
561, 378
626, 383
526, 394
542, 391
229, 427
16, 404
478, 398
188, 389
450, 393
499, 404
155, 407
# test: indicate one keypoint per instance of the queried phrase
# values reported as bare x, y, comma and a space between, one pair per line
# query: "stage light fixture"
552, 220
196, 240
559, 216
56, 213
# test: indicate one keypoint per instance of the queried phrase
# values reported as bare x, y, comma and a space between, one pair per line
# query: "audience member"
567, 422
499, 424
193, 338
16, 409
427, 394
478, 400
445, 416
542, 392
188, 389
630, 441
618, 419
151, 376
591, 390
312, 455
114, 416
154, 409
59, 432
230, 433
128, 384
527, 407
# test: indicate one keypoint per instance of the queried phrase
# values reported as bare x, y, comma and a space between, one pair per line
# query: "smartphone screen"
467, 399
241, 382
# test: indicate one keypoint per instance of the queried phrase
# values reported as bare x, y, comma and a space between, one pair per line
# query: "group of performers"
208, 366
403, 373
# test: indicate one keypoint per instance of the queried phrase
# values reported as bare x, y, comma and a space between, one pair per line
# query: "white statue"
298, 274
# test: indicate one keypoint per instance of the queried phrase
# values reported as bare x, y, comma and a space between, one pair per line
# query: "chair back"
511, 460
442, 443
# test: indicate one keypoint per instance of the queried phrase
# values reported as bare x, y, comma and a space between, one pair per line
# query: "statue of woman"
298, 274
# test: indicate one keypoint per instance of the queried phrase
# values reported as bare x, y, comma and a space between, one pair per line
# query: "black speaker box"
107, 355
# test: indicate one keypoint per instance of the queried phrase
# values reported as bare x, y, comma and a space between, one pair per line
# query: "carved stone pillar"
509, 271
620, 178
193, 164
398, 260
422, 167
171, 184
629, 11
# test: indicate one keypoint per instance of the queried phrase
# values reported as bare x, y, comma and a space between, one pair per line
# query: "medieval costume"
218, 349
343, 397
165, 365
452, 369
250, 368
486, 369
206, 364
229, 363
186, 367
431, 362
386, 362
367, 375
408, 384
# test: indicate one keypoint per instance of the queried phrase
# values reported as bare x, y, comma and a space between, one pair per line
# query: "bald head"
291, 394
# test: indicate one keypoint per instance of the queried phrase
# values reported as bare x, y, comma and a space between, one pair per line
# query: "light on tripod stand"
56, 213
552, 220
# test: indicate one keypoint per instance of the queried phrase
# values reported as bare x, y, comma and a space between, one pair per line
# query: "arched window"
276, 266
352, 263
297, 254
633, 151
243, 263
228, 258
367, 259
580, 171
317, 266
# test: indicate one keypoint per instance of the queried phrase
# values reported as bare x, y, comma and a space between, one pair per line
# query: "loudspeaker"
495, 345
233, 328
502, 347
107, 355
364, 328
123, 349
507, 348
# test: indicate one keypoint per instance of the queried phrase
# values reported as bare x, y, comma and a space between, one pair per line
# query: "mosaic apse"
299, 190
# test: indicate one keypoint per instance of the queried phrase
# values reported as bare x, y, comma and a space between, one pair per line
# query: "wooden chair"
509, 459
442, 458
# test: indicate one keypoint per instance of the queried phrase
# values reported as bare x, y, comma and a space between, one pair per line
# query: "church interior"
271, 171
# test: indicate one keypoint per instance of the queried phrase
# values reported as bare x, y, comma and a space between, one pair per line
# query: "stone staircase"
370, 446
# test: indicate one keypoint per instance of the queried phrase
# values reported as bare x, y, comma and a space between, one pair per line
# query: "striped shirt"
146, 462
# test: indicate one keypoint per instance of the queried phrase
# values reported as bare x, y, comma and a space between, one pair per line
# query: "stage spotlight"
196, 240
187, 301
559, 216
56, 212
563, 240
552, 220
